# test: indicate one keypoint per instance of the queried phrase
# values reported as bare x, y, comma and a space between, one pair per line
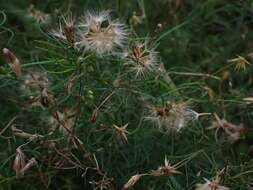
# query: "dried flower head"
38, 15
66, 30
211, 185
100, 34
13, 62
19, 162
35, 83
234, 132
166, 170
172, 115
141, 59
62, 121
122, 132
214, 184
240, 63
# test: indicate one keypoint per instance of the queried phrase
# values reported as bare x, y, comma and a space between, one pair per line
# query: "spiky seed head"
67, 30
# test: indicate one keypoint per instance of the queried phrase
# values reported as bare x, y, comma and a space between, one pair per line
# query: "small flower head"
172, 115
166, 170
66, 30
142, 59
213, 184
100, 34
122, 132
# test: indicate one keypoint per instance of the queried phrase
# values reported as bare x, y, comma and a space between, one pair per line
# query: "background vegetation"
197, 41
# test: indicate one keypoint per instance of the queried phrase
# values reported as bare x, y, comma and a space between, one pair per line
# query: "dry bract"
13, 62
166, 170
19, 162
132, 181
211, 185
35, 83
240, 63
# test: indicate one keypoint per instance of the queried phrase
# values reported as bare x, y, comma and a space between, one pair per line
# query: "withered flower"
234, 132
172, 115
100, 34
214, 184
132, 181
122, 132
166, 170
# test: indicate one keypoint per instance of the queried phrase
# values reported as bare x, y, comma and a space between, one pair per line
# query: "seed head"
141, 59
172, 115
100, 34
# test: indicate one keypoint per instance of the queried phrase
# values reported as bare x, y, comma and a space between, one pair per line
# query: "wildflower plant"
96, 99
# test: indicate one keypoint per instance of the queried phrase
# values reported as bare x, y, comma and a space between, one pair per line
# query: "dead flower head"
35, 83
240, 63
172, 115
214, 184
142, 59
100, 34
67, 30
37, 15
13, 62
166, 170
121, 132
234, 132
62, 121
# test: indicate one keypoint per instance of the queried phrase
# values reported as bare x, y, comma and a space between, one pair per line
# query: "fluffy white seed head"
141, 59
172, 115
100, 34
